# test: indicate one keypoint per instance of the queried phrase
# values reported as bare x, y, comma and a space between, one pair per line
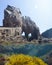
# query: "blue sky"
39, 10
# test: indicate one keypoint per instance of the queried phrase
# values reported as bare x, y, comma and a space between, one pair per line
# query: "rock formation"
29, 26
13, 18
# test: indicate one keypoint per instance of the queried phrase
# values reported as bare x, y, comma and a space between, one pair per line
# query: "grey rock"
14, 18
29, 26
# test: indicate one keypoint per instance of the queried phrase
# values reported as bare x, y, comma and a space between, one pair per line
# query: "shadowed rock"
29, 26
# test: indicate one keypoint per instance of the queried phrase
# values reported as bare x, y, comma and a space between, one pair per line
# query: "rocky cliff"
14, 18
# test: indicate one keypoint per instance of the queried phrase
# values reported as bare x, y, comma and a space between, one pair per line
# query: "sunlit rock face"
14, 18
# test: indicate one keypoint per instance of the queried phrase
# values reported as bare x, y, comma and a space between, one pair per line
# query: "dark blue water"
29, 49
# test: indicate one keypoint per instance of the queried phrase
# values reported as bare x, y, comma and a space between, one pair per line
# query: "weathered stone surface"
29, 26
13, 18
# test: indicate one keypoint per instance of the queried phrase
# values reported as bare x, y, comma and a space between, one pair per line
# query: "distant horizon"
40, 11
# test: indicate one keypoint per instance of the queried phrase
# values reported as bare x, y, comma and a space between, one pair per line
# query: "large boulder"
29, 26
13, 18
